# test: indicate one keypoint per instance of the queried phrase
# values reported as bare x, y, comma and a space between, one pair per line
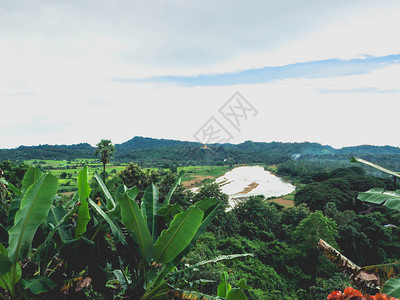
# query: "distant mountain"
285, 148
141, 143
369, 149
58, 152
155, 150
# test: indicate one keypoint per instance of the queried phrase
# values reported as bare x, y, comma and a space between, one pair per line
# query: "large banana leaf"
84, 192
5, 263
57, 227
360, 160
12, 210
151, 206
389, 199
210, 208
169, 212
179, 234
133, 220
360, 277
206, 204
236, 294
109, 198
6, 271
385, 271
31, 176
392, 287
9, 279
118, 235
35, 206
57, 214
38, 284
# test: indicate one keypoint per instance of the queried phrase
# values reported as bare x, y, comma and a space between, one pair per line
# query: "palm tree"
106, 150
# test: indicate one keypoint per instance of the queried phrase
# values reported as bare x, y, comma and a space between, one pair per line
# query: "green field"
72, 168
194, 175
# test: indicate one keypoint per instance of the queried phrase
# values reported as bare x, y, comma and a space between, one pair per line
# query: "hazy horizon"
94, 145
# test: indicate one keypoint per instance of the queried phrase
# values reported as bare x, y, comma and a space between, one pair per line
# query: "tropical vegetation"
109, 238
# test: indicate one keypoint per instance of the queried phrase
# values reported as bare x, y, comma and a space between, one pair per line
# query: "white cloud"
57, 58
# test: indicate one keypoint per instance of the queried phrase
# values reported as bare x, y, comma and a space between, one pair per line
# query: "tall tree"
106, 150
314, 227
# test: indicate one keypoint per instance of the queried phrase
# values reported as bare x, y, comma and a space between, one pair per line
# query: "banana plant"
32, 212
163, 233
163, 250
390, 199
29, 211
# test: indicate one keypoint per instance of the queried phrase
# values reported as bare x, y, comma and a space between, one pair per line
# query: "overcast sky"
80, 71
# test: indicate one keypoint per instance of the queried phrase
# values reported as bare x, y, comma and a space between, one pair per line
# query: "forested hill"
149, 149
141, 143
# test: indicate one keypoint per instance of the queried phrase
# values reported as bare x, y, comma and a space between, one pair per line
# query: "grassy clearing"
196, 175
272, 168
286, 201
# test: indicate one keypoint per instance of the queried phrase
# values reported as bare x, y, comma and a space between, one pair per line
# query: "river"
242, 182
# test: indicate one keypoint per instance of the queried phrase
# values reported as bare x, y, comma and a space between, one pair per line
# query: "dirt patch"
283, 201
248, 188
192, 182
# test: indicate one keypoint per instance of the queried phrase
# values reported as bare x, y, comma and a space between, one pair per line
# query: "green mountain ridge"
139, 148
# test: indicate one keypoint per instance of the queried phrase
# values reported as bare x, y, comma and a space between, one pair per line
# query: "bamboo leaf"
179, 234
133, 220
84, 192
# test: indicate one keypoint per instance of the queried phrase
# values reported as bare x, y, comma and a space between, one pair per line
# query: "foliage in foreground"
62, 249
385, 273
